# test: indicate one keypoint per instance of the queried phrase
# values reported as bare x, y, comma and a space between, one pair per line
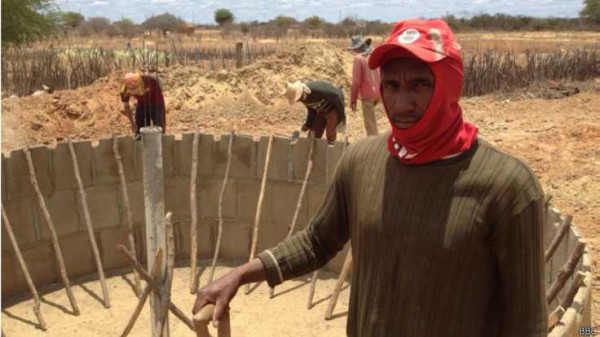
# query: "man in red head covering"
446, 230
147, 91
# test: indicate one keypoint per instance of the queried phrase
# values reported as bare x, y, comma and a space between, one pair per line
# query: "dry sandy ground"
558, 138
253, 315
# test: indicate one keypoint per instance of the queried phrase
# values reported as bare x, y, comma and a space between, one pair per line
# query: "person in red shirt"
150, 109
365, 83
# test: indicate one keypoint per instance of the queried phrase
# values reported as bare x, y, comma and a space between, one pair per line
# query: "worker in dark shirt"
325, 107
150, 109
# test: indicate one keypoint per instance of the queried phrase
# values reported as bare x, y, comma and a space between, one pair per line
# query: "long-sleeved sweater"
452, 248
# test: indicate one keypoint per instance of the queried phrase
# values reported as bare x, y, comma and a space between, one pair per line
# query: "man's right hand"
219, 292
222, 290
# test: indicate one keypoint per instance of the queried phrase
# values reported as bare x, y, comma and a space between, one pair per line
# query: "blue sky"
202, 11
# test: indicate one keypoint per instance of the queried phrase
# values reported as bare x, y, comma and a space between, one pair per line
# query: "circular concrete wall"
100, 176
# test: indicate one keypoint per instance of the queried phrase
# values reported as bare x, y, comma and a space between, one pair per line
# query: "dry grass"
493, 61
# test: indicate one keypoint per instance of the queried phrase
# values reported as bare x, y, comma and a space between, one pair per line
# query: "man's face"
407, 87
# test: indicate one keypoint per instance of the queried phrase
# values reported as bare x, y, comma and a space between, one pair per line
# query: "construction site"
236, 180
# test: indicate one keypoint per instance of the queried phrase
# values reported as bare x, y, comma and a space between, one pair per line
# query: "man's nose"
401, 102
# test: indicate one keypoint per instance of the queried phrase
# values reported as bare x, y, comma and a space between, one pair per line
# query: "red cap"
427, 40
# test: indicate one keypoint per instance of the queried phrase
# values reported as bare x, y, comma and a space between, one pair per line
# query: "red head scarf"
441, 131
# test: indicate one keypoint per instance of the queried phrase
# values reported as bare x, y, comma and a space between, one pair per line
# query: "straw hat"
294, 91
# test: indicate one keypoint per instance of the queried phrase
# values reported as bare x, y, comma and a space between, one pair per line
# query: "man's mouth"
403, 122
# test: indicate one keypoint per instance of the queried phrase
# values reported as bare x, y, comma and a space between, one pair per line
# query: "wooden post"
144, 296
315, 276
57, 251
155, 285
338, 286
128, 215
311, 290
88, 225
560, 234
239, 59
34, 293
311, 136
259, 206
220, 229
194, 215
163, 323
565, 272
154, 205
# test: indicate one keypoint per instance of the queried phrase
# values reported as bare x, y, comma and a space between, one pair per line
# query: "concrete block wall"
99, 174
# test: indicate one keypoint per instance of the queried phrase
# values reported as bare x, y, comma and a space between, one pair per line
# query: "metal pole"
154, 204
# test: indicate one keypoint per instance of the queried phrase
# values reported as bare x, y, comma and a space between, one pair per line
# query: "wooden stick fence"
194, 215
259, 206
30, 284
309, 167
220, 229
53, 235
128, 214
88, 225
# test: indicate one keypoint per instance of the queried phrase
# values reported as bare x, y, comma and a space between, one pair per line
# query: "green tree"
223, 16
125, 27
591, 10
25, 21
313, 22
71, 19
165, 22
283, 21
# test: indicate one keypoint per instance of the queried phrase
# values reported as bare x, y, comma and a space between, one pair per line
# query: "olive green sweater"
452, 248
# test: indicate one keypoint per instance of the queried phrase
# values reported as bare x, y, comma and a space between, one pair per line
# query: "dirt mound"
195, 98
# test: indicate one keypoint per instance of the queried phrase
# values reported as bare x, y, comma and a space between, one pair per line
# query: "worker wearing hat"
325, 107
365, 83
147, 91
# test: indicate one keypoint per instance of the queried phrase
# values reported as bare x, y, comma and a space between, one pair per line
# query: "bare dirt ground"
558, 138
252, 315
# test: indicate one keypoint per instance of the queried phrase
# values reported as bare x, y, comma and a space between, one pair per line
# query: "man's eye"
389, 85
423, 84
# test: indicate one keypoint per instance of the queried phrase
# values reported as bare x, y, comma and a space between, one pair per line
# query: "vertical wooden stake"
238, 55
144, 296
128, 215
338, 286
163, 323
220, 229
52, 230
259, 206
154, 204
311, 290
34, 293
194, 215
301, 196
313, 282
88, 225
